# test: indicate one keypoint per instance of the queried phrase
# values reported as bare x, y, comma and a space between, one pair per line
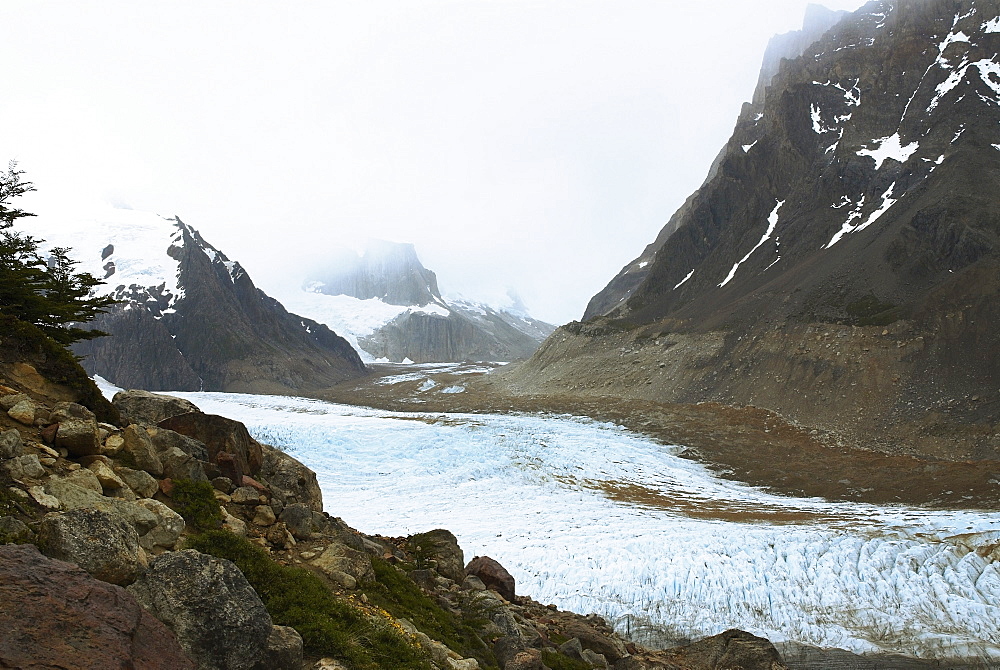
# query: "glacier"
593, 518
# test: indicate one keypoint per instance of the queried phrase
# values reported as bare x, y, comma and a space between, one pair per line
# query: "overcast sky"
533, 144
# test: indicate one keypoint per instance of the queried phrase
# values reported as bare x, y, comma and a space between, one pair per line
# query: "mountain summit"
840, 263
192, 319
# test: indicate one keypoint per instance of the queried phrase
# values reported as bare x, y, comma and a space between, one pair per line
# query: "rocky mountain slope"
170, 538
390, 305
190, 318
839, 266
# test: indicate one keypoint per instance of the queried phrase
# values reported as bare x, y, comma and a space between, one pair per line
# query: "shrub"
197, 504
328, 625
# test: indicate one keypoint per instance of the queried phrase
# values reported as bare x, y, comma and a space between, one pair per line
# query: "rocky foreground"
112, 537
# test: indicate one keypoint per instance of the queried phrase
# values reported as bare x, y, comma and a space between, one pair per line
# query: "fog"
535, 145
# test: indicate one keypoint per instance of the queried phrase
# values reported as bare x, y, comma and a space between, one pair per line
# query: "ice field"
596, 519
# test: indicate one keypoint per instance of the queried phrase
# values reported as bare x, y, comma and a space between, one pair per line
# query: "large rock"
140, 448
284, 650
79, 437
68, 411
24, 412
229, 444
167, 530
106, 546
341, 558
164, 439
10, 444
290, 481
55, 615
23, 467
148, 408
731, 649
208, 603
592, 638
71, 496
140, 481
441, 546
493, 575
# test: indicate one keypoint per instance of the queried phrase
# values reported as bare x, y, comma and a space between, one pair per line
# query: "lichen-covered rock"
140, 481
208, 603
264, 515
140, 448
284, 650
178, 464
23, 467
298, 518
493, 575
107, 477
341, 558
245, 495
290, 480
148, 408
13, 530
85, 478
80, 437
528, 659
164, 439
104, 545
11, 445
55, 615
24, 412
730, 649
441, 546
67, 411
11, 399
70, 496
167, 530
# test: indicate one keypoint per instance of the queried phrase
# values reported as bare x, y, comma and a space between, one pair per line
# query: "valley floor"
748, 444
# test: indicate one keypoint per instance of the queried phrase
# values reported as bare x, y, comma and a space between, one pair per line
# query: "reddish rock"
250, 481
167, 487
493, 575
49, 433
228, 442
55, 615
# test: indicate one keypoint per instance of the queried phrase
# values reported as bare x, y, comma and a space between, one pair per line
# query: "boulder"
113, 444
506, 648
178, 464
23, 467
167, 530
441, 546
79, 437
731, 649
105, 546
107, 477
498, 613
279, 536
290, 481
208, 603
69, 411
140, 448
164, 439
85, 478
71, 496
229, 444
143, 407
55, 615
284, 650
298, 519
11, 399
493, 575
245, 495
264, 515
595, 640
140, 481
24, 412
11, 445
341, 558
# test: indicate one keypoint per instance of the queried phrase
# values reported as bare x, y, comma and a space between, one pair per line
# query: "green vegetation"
197, 504
556, 661
396, 593
360, 636
42, 290
870, 311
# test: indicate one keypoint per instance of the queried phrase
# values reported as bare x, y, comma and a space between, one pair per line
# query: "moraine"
593, 518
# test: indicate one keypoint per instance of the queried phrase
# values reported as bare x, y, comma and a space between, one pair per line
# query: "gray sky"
532, 144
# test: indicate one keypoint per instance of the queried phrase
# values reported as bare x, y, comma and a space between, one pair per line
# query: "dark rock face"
291, 481
210, 606
842, 252
493, 575
228, 442
441, 546
137, 406
389, 271
222, 334
104, 545
55, 615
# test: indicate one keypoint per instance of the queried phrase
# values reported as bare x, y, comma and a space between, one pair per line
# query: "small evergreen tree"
50, 295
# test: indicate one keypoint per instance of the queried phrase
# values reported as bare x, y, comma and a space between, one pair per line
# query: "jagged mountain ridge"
840, 263
428, 328
191, 319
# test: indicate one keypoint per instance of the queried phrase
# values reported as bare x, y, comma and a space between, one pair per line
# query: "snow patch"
681, 282
992, 26
849, 227
453, 389
890, 147
772, 221
747, 147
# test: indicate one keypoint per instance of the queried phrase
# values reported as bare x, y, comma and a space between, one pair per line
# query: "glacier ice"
596, 519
